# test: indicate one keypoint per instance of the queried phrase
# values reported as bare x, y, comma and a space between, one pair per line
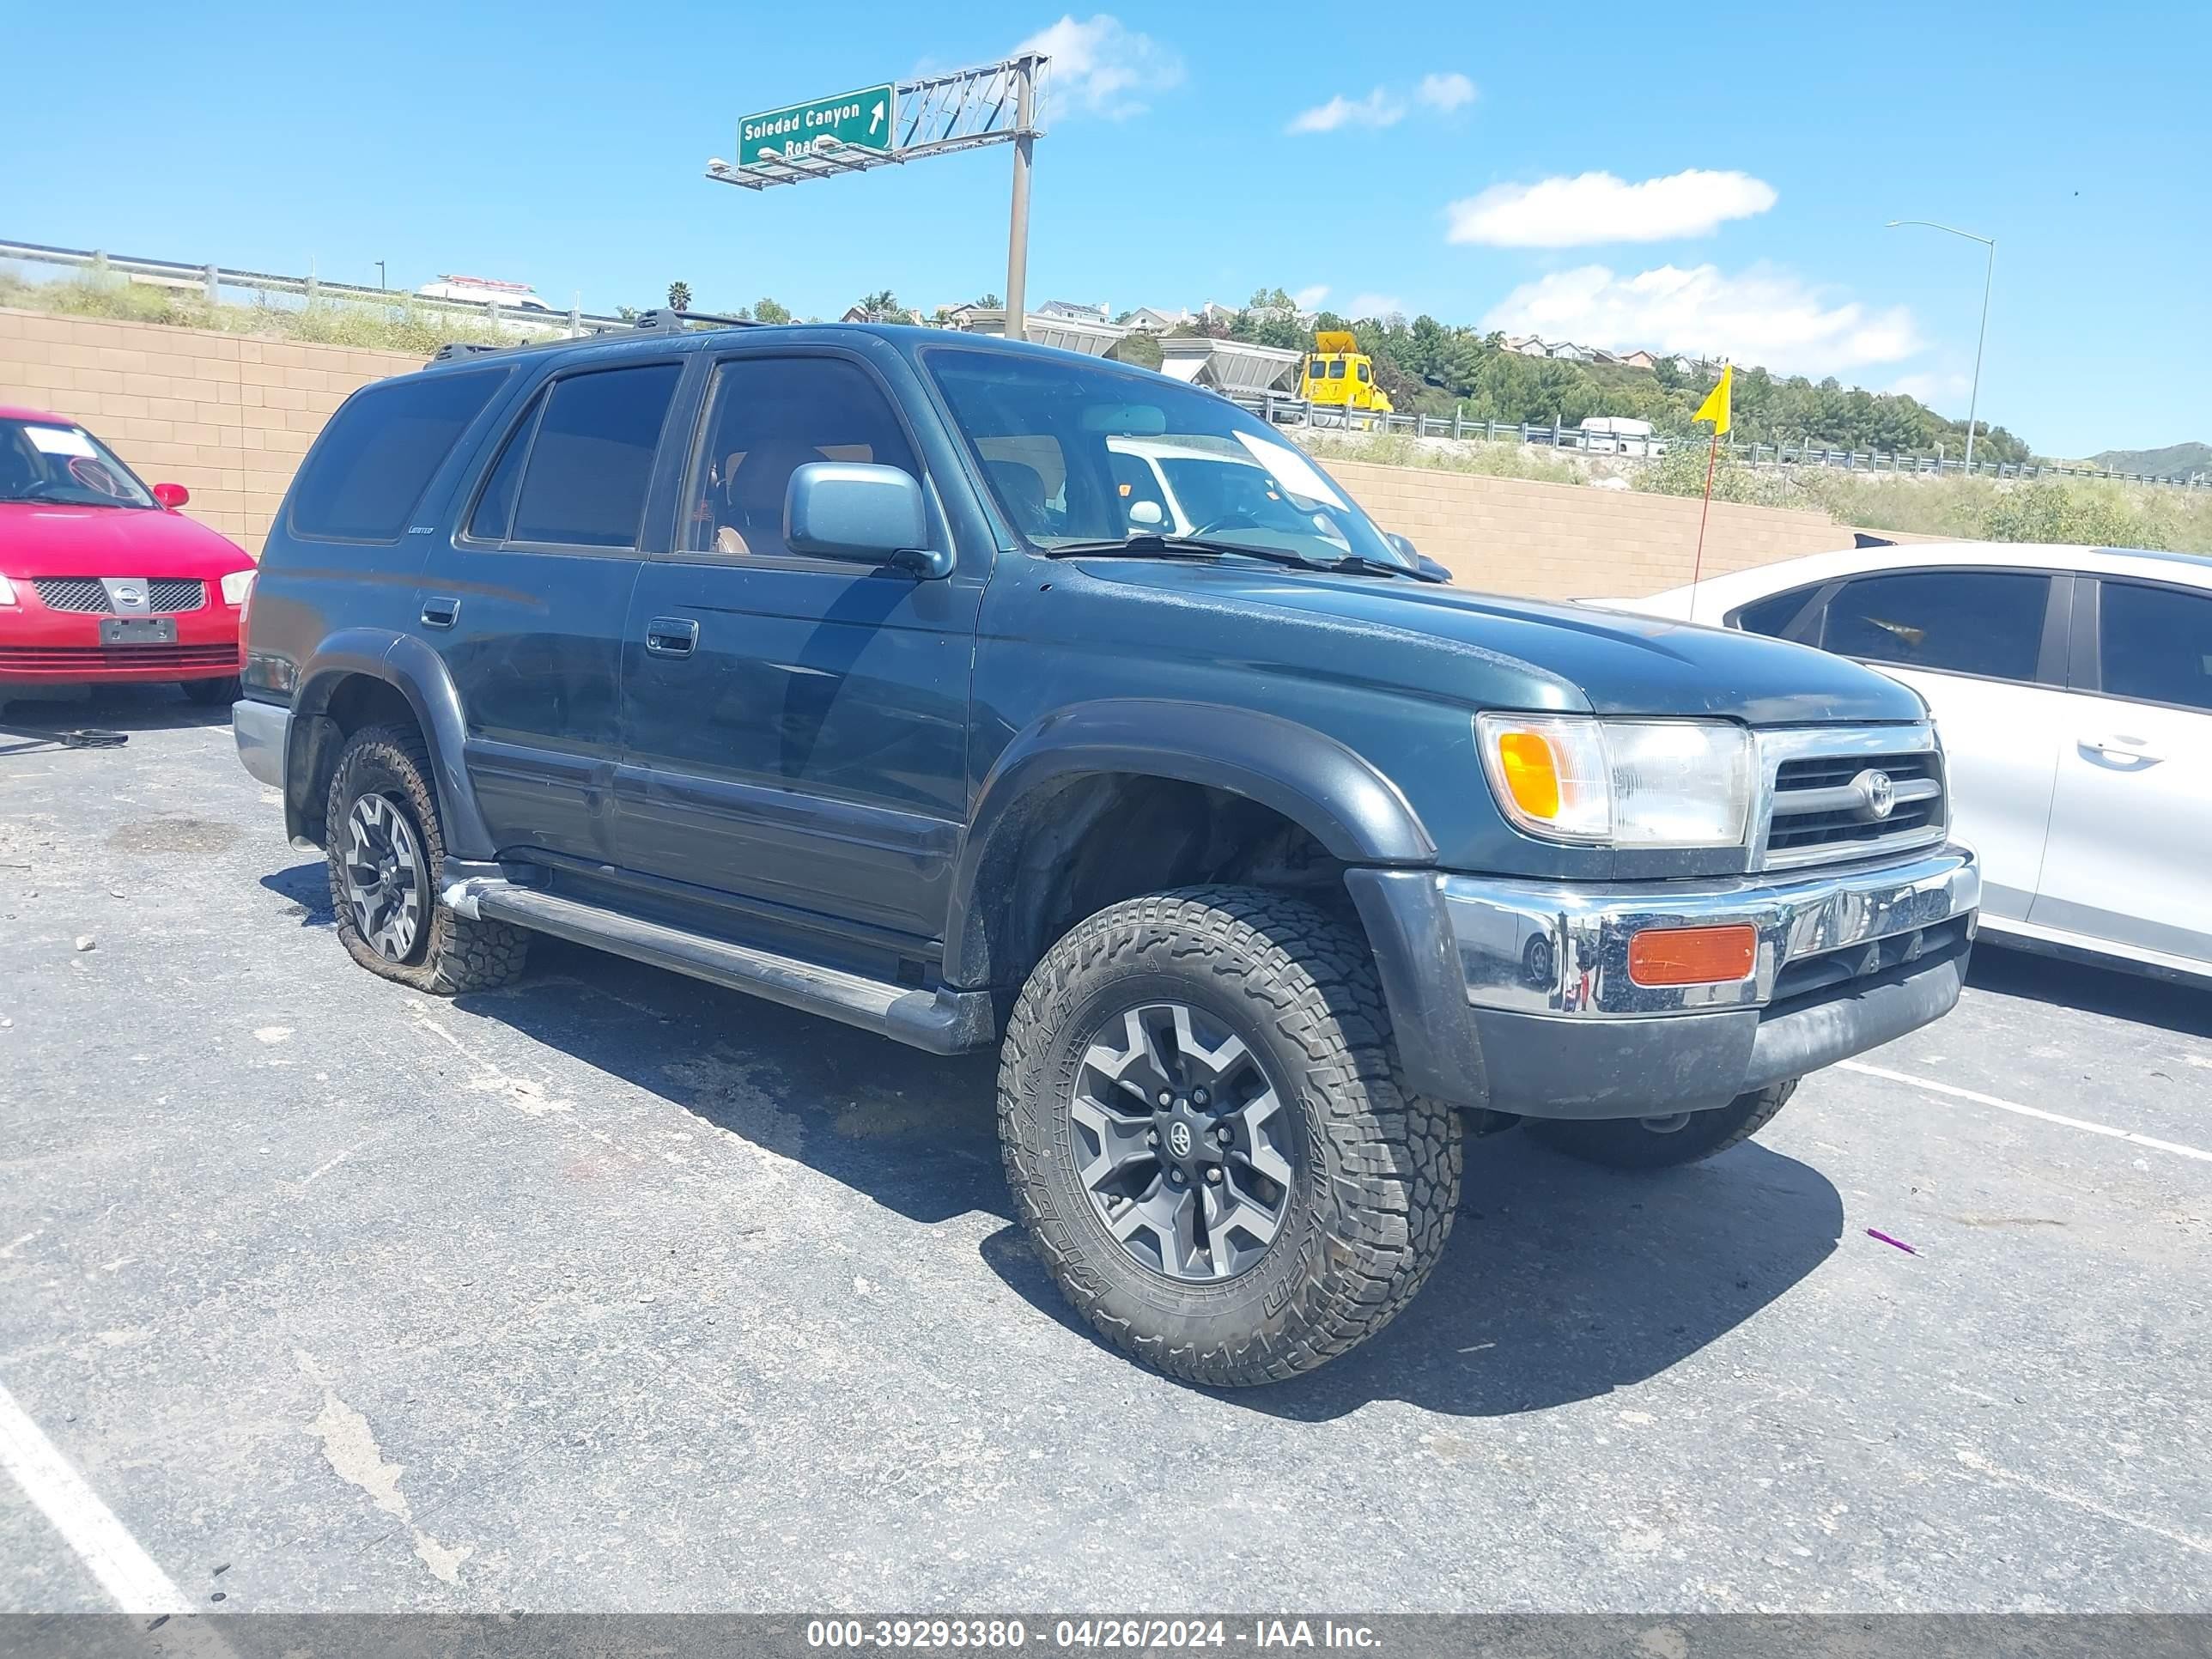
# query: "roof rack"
662, 320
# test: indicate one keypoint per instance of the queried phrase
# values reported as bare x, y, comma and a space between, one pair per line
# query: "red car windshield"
50, 461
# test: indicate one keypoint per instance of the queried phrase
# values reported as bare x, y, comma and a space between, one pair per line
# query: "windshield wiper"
1153, 546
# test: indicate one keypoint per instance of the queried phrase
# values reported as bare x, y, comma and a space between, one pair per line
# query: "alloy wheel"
1182, 1142
387, 882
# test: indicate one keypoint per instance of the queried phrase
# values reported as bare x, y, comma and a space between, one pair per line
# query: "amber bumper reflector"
1692, 955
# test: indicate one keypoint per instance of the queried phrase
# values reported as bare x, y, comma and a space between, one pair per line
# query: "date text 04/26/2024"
1120, 1634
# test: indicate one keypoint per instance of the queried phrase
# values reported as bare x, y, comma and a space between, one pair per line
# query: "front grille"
1818, 811
91, 658
165, 596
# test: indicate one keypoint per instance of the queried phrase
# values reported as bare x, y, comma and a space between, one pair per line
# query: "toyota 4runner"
976, 694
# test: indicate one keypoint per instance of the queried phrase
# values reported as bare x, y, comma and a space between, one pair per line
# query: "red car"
102, 579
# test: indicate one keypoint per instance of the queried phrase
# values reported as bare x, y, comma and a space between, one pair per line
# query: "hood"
44, 539
1566, 656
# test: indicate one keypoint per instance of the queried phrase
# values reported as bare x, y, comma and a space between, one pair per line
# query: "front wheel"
1663, 1143
1202, 1133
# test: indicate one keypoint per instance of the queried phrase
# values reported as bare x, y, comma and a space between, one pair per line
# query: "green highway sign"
861, 120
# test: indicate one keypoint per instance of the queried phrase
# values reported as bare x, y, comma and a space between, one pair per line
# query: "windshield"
1076, 452
49, 461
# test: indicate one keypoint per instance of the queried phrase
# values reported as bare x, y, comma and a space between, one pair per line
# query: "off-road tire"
1627, 1143
454, 954
208, 693
1377, 1175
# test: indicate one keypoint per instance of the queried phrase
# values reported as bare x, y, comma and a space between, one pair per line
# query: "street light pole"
1018, 226
379, 273
1989, 278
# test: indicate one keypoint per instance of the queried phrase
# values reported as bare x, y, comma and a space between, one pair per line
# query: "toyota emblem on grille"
1179, 1140
1877, 794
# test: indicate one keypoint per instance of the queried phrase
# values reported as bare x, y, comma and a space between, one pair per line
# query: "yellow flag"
1715, 405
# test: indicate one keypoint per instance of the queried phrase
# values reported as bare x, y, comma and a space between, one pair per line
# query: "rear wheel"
208, 693
1665, 1142
387, 853
1202, 1133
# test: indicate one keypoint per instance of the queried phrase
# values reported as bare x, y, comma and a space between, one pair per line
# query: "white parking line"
1981, 1099
126, 1572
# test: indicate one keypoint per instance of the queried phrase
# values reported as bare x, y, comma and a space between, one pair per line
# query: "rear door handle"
441, 611
671, 636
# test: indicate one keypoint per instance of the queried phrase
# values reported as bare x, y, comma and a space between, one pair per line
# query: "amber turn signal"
1692, 955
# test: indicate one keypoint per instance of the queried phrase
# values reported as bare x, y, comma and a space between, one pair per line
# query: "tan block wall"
1572, 542
227, 416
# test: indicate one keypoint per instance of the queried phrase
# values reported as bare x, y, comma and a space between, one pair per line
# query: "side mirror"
1434, 569
862, 513
172, 496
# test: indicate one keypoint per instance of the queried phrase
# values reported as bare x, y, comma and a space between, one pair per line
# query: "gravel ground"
614, 1292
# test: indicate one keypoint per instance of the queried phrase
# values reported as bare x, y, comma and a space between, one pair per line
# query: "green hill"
2180, 459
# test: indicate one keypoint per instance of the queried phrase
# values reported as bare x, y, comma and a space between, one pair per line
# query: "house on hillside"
1642, 360
1526, 345
1148, 319
1566, 351
1600, 355
1072, 312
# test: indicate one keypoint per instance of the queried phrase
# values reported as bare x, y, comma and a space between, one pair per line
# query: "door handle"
441, 611
2119, 747
671, 636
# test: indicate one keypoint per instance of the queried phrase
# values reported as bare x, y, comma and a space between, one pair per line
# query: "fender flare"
418, 673
1328, 789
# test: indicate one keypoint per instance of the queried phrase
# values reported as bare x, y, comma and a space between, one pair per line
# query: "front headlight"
236, 585
7, 592
1621, 783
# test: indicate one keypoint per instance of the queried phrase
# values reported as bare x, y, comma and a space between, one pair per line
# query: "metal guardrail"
213, 280
1280, 410
1293, 411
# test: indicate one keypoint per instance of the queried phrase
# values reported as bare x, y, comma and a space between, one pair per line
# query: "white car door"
2130, 856
1986, 648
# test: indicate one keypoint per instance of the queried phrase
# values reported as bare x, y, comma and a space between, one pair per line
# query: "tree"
679, 296
768, 310
990, 301
882, 305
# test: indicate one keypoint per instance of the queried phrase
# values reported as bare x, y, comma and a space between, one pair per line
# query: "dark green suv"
977, 694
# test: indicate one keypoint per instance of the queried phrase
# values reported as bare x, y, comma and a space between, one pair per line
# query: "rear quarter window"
363, 479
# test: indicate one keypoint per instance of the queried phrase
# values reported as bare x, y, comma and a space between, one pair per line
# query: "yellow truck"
1340, 375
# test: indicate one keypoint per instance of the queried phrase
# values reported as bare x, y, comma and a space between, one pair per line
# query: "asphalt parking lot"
612, 1291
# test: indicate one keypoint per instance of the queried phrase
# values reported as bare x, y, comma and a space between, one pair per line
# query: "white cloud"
1309, 298
1445, 92
1933, 387
1373, 305
1101, 67
1762, 316
1378, 108
1596, 207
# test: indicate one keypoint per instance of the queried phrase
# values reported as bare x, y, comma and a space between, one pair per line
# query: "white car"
2072, 689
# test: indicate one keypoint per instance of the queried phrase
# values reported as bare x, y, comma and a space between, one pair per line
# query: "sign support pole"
1018, 226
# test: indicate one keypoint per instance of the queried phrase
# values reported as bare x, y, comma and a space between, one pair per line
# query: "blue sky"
1712, 179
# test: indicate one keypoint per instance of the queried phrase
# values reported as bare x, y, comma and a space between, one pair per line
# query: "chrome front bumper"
1559, 948
1515, 996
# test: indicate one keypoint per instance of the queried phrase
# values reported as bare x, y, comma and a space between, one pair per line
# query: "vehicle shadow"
915, 1132
1561, 1282
2184, 1009
305, 890
100, 714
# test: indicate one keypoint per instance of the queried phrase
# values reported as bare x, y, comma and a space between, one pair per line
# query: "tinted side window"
375, 458
2156, 643
1967, 622
495, 507
1773, 614
592, 459
766, 417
